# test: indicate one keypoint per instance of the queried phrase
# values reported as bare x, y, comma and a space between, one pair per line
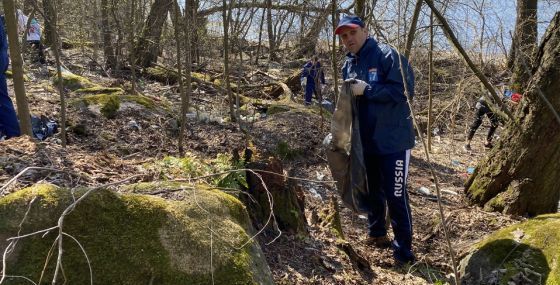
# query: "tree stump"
285, 195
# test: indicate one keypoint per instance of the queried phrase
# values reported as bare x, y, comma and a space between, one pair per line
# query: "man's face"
353, 38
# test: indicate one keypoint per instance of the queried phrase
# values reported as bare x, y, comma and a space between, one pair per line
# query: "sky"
500, 16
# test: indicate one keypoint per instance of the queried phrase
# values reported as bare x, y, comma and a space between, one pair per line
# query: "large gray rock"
526, 253
132, 238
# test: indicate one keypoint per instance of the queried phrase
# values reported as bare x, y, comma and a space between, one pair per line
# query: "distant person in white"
33, 34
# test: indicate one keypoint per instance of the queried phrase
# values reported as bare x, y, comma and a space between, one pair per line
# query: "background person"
33, 36
312, 78
483, 109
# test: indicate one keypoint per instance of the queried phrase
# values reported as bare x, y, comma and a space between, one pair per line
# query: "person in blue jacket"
9, 126
374, 71
312, 79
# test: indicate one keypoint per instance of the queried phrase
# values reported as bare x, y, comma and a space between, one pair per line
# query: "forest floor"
110, 150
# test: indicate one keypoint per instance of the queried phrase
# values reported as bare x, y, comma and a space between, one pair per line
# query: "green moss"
284, 151
315, 110
9, 74
538, 246
97, 89
191, 166
330, 218
220, 82
276, 108
476, 191
69, 44
161, 74
131, 238
150, 187
72, 81
111, 102
201, 76
141, 100
110, 108
496, 204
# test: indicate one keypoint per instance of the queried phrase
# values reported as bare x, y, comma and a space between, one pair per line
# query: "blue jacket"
383, 112
312, 72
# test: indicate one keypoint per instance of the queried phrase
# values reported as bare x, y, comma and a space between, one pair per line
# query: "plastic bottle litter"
425, 191
470, 170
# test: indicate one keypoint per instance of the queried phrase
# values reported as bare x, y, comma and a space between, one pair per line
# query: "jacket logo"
372, 75
399, 178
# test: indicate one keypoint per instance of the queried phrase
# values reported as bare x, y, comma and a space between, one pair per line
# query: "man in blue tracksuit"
9, 126
385, 129
311, 75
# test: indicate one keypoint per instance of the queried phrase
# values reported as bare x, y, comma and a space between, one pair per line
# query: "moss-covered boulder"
110, 103
72, 81
277, 108
526, 253
131, 238
97, 89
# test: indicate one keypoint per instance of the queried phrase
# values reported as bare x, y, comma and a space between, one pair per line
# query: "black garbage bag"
43, 127
345, 152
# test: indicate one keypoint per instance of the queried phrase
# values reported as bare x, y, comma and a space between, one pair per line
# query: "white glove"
303, 82
358, 86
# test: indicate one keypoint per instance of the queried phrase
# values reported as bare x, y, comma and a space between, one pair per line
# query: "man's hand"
358, 86
303, 82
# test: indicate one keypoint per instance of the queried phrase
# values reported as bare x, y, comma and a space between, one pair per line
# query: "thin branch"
432, 171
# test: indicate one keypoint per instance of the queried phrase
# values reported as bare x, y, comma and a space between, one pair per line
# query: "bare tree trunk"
47, 8
177, 28
525, 43
110, 60
226, 13
56, 50
306, 47
17, 69
334, 49
260, 38
131, 45
119, 28
430, 81
95, 31
271, 43
301, 25
520, 175
360, 8
185, 99
147, 47
28, 6
412, 31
